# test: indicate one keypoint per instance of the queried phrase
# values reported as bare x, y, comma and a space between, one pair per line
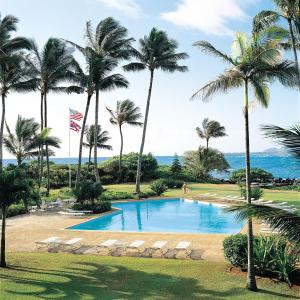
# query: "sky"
173, 116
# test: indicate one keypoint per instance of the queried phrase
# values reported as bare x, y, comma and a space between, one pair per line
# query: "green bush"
235, 250
87, 190
256, 174
97, 207
158, 187
273, 255
173, 183
15, 210
112, 195
256, 193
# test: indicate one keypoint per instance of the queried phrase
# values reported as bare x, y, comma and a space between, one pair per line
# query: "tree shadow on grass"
96, 281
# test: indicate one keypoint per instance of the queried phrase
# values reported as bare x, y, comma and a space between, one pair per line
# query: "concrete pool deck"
23, 231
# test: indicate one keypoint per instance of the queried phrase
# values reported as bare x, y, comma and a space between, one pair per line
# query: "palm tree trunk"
251, 282
207, 140
2, 260
1, 132
139, 166
81, 139
121, 152
41, 152
47, 152
90, 155
96, 136
294, 47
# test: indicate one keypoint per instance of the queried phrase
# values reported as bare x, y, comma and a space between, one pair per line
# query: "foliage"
172, 183
158, 186
256, 174
272, 255
255, 193
201, 162
15, 210
165, 172
176, 168
97, 207
87, 190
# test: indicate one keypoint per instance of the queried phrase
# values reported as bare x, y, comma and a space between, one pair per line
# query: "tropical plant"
13, 73
256, 192
126, 113
104, 48
287, 11
87, 190
158, 187
256, 174
102, 139
255, 62
50, 68
176, 168
26, 140
202, 162
15, 185
287, 137
157, 52
210, 129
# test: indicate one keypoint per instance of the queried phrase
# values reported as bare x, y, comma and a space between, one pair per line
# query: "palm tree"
126, 113
157, 52
12, 72
210, 129
255, 63
49, 68
110, 44
286, 10
102, 139
25, 142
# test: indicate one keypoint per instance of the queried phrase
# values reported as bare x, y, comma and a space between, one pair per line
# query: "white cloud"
128, 7
208, 16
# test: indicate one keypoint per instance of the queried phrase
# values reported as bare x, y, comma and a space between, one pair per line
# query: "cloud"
209, 16
128, 7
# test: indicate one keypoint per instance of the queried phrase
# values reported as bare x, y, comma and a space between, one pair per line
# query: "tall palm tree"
125, 113
50, 68
157, 52
286, 10
109, 41
102, 139
12, 72
25, 142
210, 129
255, 63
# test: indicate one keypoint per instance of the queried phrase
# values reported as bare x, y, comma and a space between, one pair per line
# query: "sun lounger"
68, 213
108, 245
71, 244
135, 247
47, 242
182, 249
157, 249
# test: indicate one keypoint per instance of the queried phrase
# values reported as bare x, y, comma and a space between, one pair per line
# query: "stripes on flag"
74, 126
75, 115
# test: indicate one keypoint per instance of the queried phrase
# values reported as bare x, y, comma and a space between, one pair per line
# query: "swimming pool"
165, 215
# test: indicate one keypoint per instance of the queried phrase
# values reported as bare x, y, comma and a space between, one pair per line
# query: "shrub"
111, 196
256, 193
235, 250
173, 183
158, 187
97, 207
15, 210
176, 167
256, 174
87, 190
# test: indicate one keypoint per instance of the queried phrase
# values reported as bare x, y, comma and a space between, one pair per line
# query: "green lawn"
292, 197
67, 276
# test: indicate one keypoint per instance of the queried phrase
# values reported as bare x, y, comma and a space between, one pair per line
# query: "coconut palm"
50, 68
125, 113
102, 139
157, 52
109, 43
12, 72
210, 129
287, 11
254, 63
25, 141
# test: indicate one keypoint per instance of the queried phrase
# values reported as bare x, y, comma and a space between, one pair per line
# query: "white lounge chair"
157, 249
68, 213
135, 247
47, 242
108, 245
71, 244
182, 249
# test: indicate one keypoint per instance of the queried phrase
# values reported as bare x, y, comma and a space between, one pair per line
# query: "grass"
292, 197
65, 276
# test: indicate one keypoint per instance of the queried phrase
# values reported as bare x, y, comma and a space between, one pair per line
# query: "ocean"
283, 166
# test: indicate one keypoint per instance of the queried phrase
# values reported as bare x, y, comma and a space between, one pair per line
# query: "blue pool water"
165, 215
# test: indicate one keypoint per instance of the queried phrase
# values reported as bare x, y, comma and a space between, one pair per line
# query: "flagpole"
70, 171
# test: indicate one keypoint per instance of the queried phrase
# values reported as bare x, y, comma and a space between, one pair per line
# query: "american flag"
74, 126
75, 115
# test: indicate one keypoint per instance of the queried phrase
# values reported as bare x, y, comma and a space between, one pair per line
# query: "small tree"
15, 185
176, 167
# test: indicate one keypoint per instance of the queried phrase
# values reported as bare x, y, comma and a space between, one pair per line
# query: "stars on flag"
77, 116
